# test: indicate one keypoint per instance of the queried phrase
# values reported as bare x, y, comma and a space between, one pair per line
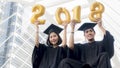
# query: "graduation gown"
91, 55
47, 57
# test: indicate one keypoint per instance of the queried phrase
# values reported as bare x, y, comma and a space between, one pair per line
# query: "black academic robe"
47, 57
91, 55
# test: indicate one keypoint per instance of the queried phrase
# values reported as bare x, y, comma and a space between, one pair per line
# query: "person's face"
89, 34
53, 38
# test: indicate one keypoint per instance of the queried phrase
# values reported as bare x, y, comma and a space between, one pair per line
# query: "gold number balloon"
96, 11
76, 13
38, 11
58, 17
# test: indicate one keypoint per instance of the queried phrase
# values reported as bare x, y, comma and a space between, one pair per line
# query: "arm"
108, 44
37, 55
71, 40
37, 34
36, 50
108, 41
64, 37
64, 41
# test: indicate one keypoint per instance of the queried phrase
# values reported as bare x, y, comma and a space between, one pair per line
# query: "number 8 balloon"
96, 11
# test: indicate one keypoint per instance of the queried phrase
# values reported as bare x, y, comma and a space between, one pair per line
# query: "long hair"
59, 39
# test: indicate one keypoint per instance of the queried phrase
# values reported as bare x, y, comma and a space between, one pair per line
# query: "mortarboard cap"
53, 28
87, 25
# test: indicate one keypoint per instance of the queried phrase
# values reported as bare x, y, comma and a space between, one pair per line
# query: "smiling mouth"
89, 35
54, 41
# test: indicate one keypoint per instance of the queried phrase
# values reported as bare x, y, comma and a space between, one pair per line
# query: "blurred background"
17, 34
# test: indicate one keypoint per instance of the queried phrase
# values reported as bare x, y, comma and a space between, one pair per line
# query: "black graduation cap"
87, 25
53, 28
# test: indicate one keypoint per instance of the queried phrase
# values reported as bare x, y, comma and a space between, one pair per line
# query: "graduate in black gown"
94, 54
49, 55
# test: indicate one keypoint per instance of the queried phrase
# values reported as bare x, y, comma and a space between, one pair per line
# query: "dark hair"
59, 39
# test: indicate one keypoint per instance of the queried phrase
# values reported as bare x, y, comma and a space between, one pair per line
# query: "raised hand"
73, 23
65, 24
99, 22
